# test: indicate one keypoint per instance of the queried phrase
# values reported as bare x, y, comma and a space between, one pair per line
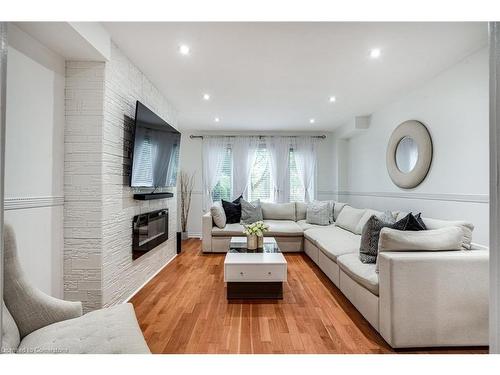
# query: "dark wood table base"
249, 290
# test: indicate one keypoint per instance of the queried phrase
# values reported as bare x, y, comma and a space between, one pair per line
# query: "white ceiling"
276, 76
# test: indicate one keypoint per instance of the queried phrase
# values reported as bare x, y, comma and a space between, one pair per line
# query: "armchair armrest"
434, 298
206, 233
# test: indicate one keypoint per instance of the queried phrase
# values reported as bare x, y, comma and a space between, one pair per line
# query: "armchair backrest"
30, 307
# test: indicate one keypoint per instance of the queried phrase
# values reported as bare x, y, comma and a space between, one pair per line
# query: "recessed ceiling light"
206, 96
184, 49
216, 119
332, 99
375, 53
312, 121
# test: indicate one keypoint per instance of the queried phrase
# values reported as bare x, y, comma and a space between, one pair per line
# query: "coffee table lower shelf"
254, 290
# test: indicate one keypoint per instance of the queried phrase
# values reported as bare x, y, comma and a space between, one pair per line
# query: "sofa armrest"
206, 232
434, 298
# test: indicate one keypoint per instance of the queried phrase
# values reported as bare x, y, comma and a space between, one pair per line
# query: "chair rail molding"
469, 198
19, 203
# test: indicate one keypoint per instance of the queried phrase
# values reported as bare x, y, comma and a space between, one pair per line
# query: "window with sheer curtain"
260, 181
296, 186
224, 187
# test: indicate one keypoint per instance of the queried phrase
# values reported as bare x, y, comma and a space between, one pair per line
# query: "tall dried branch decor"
187, 183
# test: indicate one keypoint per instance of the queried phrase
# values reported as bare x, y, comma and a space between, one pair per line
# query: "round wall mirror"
406, 154
409, 154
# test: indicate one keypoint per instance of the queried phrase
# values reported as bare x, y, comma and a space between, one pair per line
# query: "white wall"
99, 205
34, 157
122, 276
454, 107
191, 162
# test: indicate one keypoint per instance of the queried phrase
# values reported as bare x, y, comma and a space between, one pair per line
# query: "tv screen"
156, 151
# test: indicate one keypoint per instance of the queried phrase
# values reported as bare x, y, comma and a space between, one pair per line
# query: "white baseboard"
194, 235
149, 279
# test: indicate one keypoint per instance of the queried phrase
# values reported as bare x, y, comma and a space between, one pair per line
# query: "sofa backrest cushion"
349, 218
10, 333
300, 210
278, 211
218, 215
465, 226
337, 208
443, 239
366, 216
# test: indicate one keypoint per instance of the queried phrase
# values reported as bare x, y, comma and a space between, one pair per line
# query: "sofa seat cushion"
363, 273
278, 228
107, 331
283, 228
333, 241
235, 229
305, 225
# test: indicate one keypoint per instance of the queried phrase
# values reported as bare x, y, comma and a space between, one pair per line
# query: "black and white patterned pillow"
368, 248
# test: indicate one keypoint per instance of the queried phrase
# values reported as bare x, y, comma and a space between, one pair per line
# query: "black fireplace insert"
148, 231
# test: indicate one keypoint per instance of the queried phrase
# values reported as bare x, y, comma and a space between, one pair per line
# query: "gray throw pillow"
318, 213
218, 215
251, 212
368, 248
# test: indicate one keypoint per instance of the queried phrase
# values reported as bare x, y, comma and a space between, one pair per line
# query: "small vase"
252, 242
260, 242
184, 236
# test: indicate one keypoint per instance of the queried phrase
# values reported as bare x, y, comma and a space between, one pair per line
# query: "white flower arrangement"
258, 229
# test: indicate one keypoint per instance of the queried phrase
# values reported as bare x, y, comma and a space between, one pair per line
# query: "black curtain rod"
260, 136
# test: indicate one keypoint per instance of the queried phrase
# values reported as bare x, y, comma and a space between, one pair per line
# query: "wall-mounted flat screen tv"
155, 157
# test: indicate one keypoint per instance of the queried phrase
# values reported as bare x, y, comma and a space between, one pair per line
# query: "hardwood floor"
184, 310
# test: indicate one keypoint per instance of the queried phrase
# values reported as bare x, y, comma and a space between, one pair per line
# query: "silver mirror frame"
419, 133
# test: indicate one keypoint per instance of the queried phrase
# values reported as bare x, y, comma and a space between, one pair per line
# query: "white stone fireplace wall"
99, 204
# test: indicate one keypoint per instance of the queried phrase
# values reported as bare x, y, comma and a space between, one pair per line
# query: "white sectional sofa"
416, 299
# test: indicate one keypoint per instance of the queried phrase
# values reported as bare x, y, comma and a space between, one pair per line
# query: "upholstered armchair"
34, 322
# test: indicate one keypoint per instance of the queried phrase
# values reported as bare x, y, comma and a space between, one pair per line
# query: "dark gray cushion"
368, 248
251, 212
232, 210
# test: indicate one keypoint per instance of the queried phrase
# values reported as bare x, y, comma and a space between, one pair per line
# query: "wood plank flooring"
184, 310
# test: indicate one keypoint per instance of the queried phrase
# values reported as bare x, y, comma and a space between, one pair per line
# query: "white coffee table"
254, 274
